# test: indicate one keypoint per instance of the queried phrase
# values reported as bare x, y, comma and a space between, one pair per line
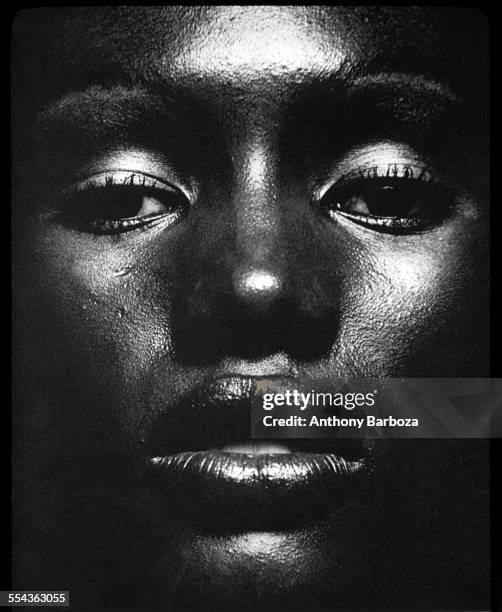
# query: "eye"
392, 204
120, 201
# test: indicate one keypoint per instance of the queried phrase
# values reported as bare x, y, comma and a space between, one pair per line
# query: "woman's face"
219, 195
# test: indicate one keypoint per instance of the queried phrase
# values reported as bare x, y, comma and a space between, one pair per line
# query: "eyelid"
120, 177
391, 171
124, 161
384, 159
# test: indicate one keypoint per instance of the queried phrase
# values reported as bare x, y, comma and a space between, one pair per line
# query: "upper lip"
216, 413
185, 460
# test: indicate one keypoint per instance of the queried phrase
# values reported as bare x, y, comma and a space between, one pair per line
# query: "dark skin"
244, 127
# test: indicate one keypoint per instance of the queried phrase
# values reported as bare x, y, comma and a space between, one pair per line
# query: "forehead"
291, 42
254, 38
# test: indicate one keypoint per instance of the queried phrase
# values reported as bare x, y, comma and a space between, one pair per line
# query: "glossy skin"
253, 114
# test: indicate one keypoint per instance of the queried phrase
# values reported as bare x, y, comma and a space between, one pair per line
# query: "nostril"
256, 286
253, 311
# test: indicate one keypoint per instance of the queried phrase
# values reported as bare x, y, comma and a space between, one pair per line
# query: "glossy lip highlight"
250, 469
232, 491
276, 365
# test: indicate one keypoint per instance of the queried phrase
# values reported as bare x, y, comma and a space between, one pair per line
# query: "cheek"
413, 308
99, 315
107, 291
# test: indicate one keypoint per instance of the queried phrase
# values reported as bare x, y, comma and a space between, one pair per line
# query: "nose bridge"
255, 201
258, 261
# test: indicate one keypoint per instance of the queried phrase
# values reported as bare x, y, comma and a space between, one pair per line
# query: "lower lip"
231, 491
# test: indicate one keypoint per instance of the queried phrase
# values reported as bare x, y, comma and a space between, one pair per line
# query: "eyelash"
395, 187
97, 204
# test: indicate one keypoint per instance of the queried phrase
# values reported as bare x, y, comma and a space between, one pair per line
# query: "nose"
257, 288
254, 286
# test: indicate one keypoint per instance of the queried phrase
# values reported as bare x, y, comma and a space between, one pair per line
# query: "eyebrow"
409, 96
119, 112
163, 93
401, 81
367, 106
367, 103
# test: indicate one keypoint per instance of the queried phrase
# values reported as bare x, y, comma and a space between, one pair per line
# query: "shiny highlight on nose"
257, 285
259, 281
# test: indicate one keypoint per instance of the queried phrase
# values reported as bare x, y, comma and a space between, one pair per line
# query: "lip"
237, 490
188, 465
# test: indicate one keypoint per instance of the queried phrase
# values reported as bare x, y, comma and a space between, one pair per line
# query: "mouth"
216, 479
